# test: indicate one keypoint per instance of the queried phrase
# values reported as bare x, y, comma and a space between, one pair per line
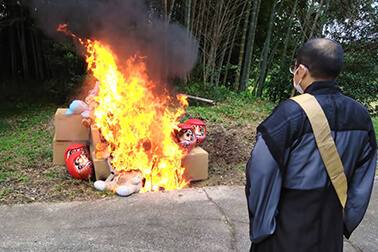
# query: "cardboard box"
101, 166
196, 164
95, 136
69, 128
59, 148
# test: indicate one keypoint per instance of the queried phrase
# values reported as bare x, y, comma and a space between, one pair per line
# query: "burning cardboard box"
101, 162
69, 127
69, 130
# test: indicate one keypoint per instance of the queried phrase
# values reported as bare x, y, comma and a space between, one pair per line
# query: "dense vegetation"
243, 45
236, 52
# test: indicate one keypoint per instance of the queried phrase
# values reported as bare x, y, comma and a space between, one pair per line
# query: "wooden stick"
200, 99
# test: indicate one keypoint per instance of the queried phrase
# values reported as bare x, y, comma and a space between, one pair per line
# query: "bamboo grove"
244, 45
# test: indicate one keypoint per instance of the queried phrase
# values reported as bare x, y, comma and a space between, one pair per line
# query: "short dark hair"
323, 57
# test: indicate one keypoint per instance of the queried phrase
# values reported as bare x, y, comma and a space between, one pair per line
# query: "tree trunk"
39, 56
242, 45
187, 24
232, 46
12, 52
204, 48
165, 10
21, 38
316, 18
35, 58
304, 30
192, 15
214, 45
288, 34
170, 11
266, 50
250, 41
323, 18
221, 60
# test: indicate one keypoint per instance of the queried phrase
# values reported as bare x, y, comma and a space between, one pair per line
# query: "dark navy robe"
292, 204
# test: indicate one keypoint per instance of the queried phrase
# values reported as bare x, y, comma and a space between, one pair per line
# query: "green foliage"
375, 123
228, 106
66, 70
359, 78
279, 87
67, 67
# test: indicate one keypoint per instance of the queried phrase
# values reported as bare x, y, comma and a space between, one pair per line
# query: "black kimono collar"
323, 87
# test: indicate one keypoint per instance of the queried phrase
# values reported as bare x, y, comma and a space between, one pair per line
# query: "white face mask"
298, 86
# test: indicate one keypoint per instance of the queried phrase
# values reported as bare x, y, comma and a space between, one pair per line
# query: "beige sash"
325, 143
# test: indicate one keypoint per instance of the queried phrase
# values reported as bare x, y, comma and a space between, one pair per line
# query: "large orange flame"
137, 124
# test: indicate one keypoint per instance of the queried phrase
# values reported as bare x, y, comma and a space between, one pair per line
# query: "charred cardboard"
196, 164
95, 136
59, 148
69, 128
101, 166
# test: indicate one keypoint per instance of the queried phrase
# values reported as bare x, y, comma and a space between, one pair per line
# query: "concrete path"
202, 219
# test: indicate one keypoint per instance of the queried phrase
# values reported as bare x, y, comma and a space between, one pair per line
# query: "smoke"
128, 26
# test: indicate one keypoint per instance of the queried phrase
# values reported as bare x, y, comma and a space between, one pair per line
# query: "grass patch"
26, 138
375, 123
233, 109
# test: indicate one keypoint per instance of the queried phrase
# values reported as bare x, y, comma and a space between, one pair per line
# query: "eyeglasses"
292, 68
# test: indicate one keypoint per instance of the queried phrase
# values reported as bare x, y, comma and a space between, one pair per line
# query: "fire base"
195, 163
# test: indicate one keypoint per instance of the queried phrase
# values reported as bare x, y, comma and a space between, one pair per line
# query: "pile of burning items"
136, 143
117, 158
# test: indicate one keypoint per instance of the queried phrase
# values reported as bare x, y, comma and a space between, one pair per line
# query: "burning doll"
199, 128
77, 161
85, 109
186, 136
124, 183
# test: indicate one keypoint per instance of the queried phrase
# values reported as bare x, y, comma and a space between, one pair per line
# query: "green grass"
375, 123
26, 136
25, 142
233, 109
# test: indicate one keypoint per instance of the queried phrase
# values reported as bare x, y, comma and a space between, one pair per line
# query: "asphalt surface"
201, 219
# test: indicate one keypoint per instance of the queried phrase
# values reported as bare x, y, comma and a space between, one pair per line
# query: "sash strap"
325, 143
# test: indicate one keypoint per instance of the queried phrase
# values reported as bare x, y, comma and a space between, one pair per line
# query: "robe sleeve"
359, 189
263, 188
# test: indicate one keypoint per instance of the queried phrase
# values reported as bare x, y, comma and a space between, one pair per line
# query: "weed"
5, 192
240, 122
241, 167
375, 123
50, 175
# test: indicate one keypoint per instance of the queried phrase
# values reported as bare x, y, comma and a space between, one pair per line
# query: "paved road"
201, 219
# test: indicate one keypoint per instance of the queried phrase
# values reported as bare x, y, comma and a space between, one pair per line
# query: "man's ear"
303, 71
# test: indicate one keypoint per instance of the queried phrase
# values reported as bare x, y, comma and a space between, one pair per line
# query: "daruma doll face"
199, 129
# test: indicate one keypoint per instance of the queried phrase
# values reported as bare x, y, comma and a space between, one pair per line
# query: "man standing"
292, 203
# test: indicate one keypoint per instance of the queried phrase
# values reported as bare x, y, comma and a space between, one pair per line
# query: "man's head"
317, 60
322, 57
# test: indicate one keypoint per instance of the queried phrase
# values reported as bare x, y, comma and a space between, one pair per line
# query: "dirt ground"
229, 150
228, 146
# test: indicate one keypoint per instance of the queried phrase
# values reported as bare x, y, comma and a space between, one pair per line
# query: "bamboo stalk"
199, 99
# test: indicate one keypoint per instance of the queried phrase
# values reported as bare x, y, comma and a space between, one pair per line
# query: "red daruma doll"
77, 161
199, 128
186, 136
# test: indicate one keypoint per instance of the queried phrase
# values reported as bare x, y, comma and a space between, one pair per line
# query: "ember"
137, 125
